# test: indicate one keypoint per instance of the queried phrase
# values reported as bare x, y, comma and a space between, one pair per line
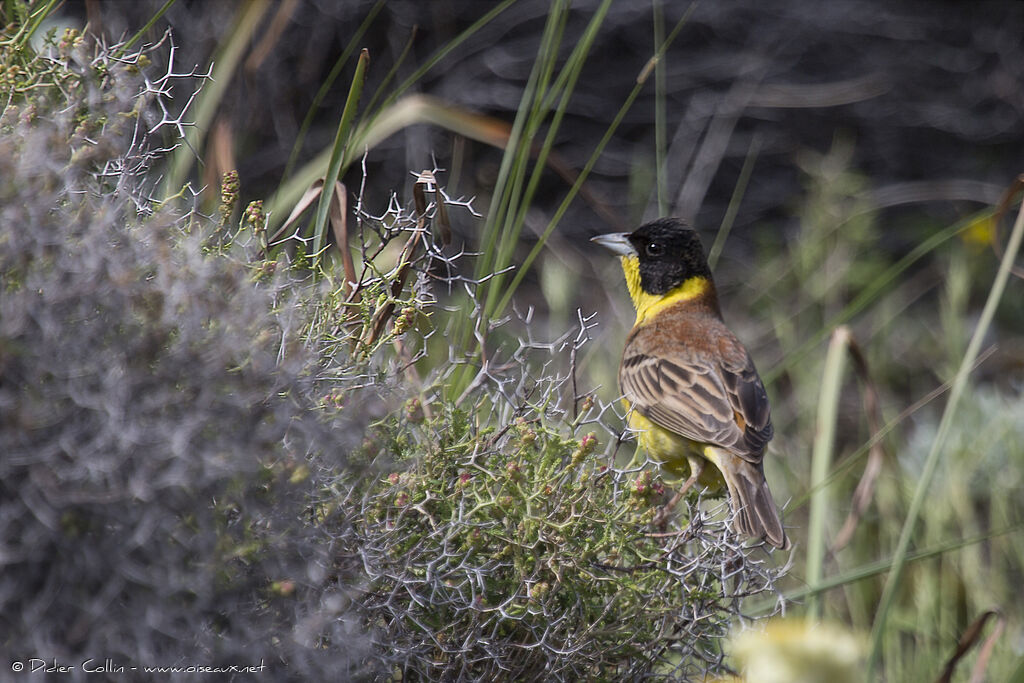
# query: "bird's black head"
669, 253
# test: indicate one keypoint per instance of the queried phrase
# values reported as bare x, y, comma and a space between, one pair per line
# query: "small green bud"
588, 443
642, 484
414, 410
515, 472
228, 194
254, 218
405, 320
539, 590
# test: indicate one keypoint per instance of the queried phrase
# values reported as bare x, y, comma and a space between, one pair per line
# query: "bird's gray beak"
616, 242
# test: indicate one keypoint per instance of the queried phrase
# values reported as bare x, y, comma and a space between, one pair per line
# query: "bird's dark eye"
654, 249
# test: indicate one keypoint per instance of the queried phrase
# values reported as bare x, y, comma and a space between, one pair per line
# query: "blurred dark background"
928, 94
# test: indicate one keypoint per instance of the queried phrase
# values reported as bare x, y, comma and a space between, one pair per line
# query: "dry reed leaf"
381, 317
865, 490
269, 40
311, 194
338, 216
220, 153
980, 666
1004, 206
971, 636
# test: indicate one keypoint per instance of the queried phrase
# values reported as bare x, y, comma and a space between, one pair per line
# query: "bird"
692, 392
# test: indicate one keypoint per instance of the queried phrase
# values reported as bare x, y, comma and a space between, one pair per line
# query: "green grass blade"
508, 225
937, 449
517, 152
734, 202
879, 567
499, 238
149, 24
1018, 674
341, 139
570, 196
511, 172
882, 566
824, 438
325, 87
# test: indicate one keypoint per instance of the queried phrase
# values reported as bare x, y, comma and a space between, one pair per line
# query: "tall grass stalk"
734, 202
325, 87
870, 569
931, 463
570, 75
851, 460
341, 144
598, 149
498, 238
528, 119
660, 127
567, 201
824, 438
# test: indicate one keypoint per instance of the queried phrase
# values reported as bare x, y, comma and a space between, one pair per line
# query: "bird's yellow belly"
674, 452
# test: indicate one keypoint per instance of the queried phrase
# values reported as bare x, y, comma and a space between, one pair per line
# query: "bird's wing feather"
746, 393
703, 401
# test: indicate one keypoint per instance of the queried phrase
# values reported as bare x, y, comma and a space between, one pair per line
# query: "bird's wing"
746, 393
721, 403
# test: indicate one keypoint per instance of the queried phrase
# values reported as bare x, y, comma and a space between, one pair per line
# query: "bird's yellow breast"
673, 450
648, 305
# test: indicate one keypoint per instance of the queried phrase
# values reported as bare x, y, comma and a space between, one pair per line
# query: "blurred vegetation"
150, 427
263, 393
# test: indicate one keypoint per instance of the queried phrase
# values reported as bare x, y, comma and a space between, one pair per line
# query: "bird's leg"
696, 468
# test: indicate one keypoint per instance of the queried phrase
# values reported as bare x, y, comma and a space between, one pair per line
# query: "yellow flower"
981, 232
797, 651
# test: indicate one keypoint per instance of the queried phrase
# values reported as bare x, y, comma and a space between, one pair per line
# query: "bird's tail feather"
754, 511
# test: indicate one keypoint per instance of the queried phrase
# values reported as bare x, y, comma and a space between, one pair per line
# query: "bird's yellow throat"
648, 305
